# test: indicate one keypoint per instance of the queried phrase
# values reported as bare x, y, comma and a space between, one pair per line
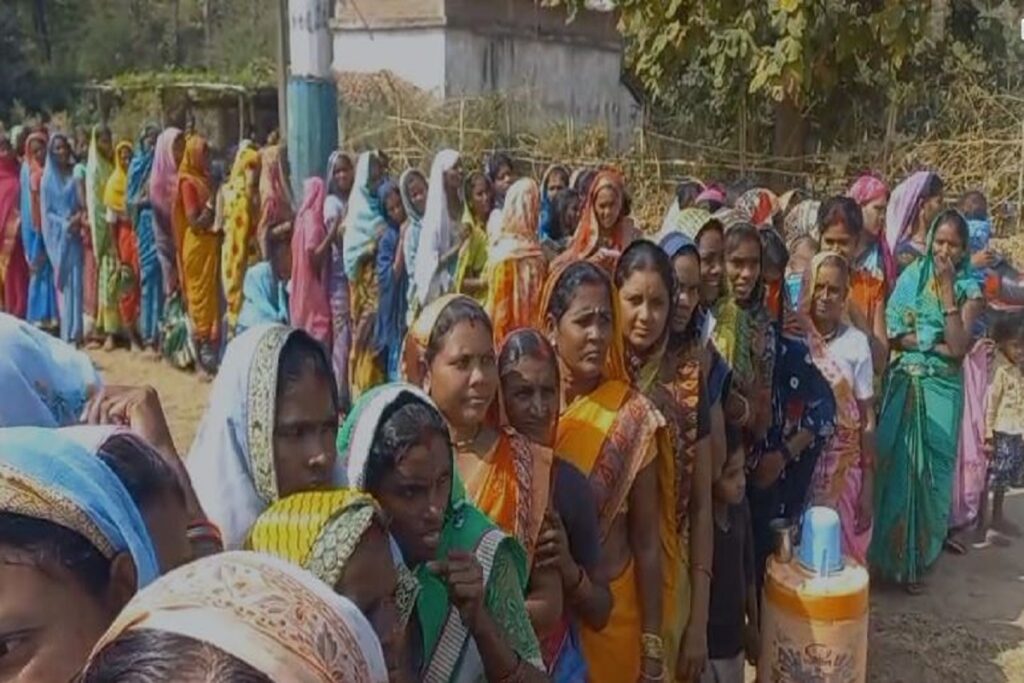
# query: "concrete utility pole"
312, 120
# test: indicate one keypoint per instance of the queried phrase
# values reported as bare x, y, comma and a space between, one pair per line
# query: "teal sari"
449, 653
919, 424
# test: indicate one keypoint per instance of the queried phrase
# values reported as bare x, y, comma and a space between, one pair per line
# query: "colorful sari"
163, 190
919, 426
277, 618
516, 266
46, 382
200, 248
472, 259
97, 172
611, 435
390, 328
439, 234
411, 242
901, 217
231, 462
801, 221
309, 303
151, 286
238, 225
64, 246
449, 652
275, 195
13, 268
115, 197
587, 243
42, 295
335, 208
47, 476
878, 259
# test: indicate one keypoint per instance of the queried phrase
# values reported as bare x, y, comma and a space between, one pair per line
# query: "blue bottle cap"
821, 541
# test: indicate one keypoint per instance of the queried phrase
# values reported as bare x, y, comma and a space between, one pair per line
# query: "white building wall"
416, 55
309, 38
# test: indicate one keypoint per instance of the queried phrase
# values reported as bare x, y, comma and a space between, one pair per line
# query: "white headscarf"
438, 235
274, 616
231, 462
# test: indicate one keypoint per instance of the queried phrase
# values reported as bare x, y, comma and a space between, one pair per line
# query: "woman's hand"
769, 469
553, 548
465, 580
693, 655
944, 273
137, 407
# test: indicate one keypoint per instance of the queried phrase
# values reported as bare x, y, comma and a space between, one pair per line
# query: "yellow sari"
200, 249
237, 222
472, 256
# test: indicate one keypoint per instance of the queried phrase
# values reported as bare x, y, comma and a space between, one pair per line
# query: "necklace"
465, 444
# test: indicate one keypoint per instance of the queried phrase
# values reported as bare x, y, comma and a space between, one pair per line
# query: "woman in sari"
439, 242
760, 207
46, 382
265, 292
615, 436
605, 230
73, 550
501, 174
115, 198
392, 278
42, 296
912, 207
340, 176
929, 318
844, 475
309, 303
554, 181
268, 431
140, 210
469, 268
801, 221
64, 221
342, 538
413, 186
200, 250
471, 622
238, 617
872, 254
99, 166
516, 266
647, 291
363, 226
275, 195
450, 353
13, 268
163, 189
237, 211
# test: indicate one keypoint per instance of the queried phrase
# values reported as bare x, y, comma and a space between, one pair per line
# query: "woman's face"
49, 620
644, 304
503, 179
125, 156
687, 268
948, 242
344, 174
711, 245
149, 141
463, 376
453, 179
480, 198
281, 259
376, 175
394, 207
838, 238
178, 148
571, 218
369, 580
415, 495
530, 392
930, 208
557, 181
584, 333
418, 194
829, 294
62, 151
608, 207
105, 144
743, 267
305, 433
874, 216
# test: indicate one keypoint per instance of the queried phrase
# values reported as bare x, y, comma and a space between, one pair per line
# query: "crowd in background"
509, 433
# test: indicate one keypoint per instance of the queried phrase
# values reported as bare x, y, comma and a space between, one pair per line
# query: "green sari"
919, 425
449, 653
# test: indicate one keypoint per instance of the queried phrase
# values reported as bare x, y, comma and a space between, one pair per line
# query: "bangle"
653, 646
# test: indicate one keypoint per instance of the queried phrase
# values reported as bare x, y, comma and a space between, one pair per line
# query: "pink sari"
13, 267
971, 463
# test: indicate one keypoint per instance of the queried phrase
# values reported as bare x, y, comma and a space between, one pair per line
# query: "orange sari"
198, 249
586, 242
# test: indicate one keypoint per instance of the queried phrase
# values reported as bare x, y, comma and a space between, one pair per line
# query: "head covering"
364, 222
97, 172
690, 222
439, 234
518, 236
231, 461
411, 242
418, 337
758, 206
275, 617
195, 165
332, 161
163, 181
547, 212
139, 172
117, 185
275, 195
904, 205
867, 188
712, 193
585, 240
802, 220
46, 475
675, 242
59, 198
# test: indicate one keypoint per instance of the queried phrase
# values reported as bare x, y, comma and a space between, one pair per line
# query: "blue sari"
42, 297
65, 248
70, 487
264, 298
141, 214
389, 331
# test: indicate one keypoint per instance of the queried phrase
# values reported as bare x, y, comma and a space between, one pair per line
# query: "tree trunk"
788, 141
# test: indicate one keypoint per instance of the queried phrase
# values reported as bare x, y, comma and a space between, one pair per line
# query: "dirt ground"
968, 627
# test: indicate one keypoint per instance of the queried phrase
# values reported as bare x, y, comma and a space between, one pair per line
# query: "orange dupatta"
587, 238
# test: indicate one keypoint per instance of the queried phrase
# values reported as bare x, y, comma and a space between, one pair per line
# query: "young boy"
1004, 424
732, 613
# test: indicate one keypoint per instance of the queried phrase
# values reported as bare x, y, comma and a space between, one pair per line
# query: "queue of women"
469, 426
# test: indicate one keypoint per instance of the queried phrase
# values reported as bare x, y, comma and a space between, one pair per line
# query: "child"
974, 207
732, 612
1004, 423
